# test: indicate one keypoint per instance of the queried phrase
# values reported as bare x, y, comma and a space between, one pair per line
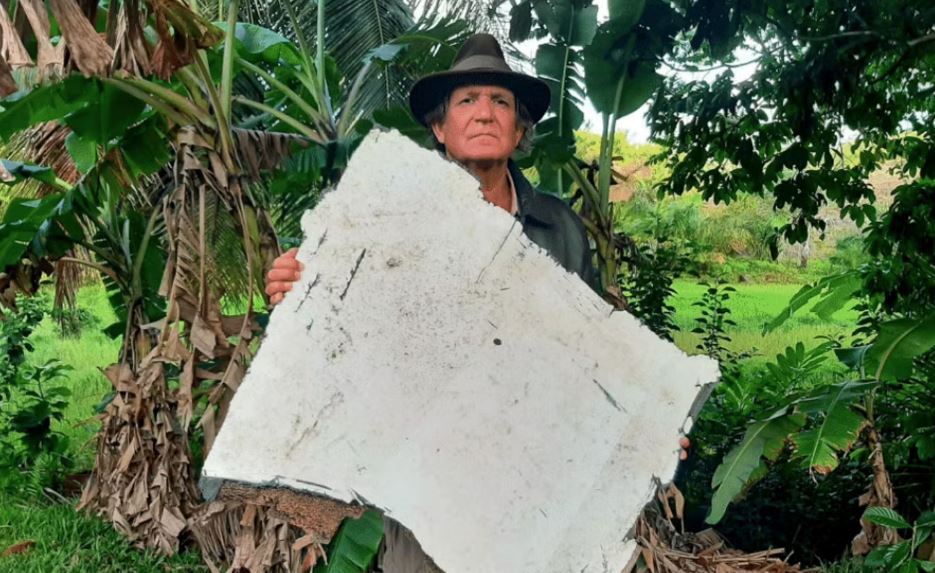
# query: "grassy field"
752, 307
67, 541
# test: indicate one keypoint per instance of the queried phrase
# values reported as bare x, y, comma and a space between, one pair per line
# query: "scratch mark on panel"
610, 398
347, 285
497, 252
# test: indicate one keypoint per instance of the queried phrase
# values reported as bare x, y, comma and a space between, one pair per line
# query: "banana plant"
821, 425
613, 64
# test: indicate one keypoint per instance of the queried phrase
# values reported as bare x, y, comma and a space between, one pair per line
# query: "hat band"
480, 63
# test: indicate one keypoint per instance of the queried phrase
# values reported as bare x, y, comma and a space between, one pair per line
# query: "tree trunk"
880, 494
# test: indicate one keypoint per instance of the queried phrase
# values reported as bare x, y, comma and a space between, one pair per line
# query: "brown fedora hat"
479, 62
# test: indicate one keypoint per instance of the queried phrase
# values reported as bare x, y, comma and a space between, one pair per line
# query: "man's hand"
285, 271
684, 443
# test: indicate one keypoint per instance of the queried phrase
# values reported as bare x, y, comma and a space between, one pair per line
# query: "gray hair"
523, 120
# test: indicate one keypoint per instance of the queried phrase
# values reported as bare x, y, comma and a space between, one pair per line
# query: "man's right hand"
285, 271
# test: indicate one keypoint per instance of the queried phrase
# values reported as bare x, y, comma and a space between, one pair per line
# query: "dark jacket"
552, 225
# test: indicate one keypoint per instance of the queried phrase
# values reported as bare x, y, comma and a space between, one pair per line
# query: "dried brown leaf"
181, 33
17, 548
49, 58
133, 53
90, 54
172, 522
7, 87
11, 46
185, 403
129, 450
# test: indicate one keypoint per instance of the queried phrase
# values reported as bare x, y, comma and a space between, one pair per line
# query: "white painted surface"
532, 455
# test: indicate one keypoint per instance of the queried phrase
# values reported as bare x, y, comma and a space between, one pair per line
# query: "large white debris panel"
436, 364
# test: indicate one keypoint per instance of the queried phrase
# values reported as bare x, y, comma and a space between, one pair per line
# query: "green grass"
87, 354
752, 307
66, 541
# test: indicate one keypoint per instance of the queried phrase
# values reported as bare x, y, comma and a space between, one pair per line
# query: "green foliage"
833, 293
35, 403
353, 31
818, 68
46, 102
678, 223
837, 412
818, 425
72, 320
570, 26
836, 424
619, 59
31, 399
900, 278
796, 363
744, 463
719, 240
97, 121
355, 545
647, 285
588, 148
898, 344
22, 171
714, 320
849, 253
620, 65
37, 225
900, 557
886, 517
271, 47
15, 327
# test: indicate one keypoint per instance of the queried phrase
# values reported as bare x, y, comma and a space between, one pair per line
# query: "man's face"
480, 124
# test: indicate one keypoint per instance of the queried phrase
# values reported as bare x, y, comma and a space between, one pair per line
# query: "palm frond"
490, 16
354, 29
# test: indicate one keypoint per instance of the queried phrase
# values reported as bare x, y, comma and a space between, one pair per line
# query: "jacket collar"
530, 203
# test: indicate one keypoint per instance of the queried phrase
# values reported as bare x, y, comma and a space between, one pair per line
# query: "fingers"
288, 261
278, 287
285, 271
684, 443
285, 275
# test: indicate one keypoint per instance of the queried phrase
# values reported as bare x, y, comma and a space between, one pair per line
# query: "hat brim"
430, 91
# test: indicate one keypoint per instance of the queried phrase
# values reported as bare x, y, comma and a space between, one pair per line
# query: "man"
479, 111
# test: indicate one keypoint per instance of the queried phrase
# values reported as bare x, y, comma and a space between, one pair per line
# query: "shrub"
37, 453
33, 455
72, 320
647, 285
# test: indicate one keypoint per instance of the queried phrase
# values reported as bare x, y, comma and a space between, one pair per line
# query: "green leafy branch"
900, 557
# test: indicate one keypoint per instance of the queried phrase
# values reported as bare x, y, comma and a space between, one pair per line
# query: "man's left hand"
684, 443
